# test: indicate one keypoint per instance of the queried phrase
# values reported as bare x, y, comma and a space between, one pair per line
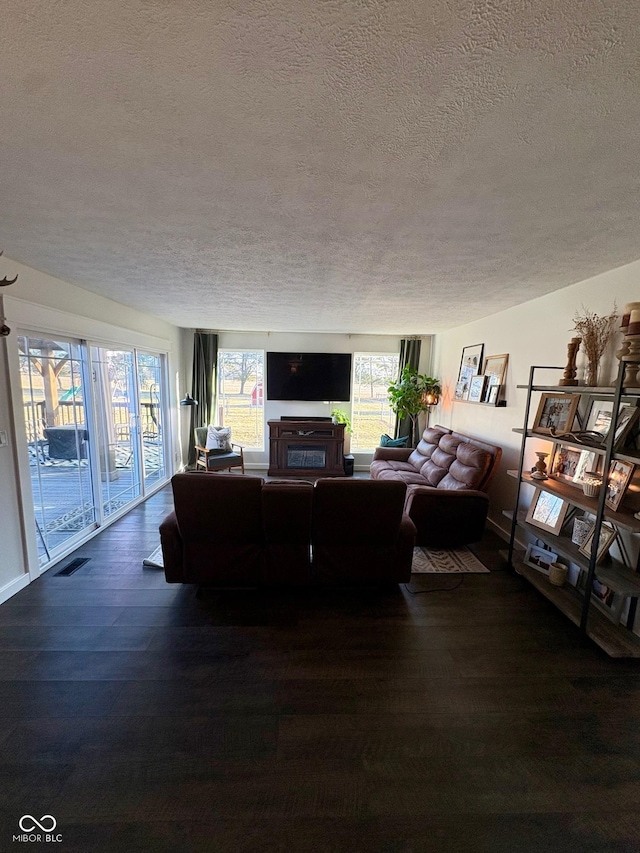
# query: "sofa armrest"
395, 454
447, 518
172, 556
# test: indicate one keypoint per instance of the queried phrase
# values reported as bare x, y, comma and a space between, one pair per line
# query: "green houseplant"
338, 416
411, 394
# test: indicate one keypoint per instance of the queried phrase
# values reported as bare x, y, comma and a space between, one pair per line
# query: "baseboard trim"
13, 587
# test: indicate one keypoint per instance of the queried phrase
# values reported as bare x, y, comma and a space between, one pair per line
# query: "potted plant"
411, 394
338, 416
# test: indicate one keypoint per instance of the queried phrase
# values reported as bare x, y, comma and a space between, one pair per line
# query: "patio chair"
216, 460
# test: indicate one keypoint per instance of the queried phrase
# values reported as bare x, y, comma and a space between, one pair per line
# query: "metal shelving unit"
616, 640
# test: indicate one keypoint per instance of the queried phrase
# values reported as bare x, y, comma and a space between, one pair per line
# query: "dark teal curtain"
409, 357
203, 388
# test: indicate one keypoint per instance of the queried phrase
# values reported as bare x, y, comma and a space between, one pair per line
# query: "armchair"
216, 460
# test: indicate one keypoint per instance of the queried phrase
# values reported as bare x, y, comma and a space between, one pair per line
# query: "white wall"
292, 341
534, 333
39, 302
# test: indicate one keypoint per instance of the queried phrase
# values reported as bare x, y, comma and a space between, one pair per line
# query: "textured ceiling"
371, 166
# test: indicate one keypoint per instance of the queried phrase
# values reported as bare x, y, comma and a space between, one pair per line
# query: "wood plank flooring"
461, 719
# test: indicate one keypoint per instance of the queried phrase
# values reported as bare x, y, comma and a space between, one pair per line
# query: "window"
371, 414
240, 396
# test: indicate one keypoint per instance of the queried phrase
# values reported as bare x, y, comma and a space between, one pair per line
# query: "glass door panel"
151, 402
53, 380
116, 427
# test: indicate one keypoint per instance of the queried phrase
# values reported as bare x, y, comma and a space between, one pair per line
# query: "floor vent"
73, 566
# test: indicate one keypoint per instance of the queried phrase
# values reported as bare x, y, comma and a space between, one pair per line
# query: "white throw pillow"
218, 438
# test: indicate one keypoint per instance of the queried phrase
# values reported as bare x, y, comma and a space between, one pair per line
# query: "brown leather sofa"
231, 531
447, 476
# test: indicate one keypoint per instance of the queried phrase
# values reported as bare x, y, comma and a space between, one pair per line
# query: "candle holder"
539, 470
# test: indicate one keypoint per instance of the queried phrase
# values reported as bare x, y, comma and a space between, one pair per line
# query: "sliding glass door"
150, 371
117, 433
94, 419
53, 378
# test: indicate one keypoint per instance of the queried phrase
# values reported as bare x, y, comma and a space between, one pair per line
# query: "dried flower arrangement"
596, 332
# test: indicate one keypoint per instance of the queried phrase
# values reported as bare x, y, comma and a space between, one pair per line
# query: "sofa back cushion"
427, 444
435, 469
357, 512
218, 507
468, 468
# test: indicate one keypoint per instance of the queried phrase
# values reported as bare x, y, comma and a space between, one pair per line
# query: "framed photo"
496, 366
476, 388
540, 558
564, 463
620, 474
462, 390
604, 597
547, 511
471, 362
555, 411
607, 536
626, 420
588, 463
599, 414
492, 393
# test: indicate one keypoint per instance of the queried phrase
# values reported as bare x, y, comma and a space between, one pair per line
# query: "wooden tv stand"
301, 447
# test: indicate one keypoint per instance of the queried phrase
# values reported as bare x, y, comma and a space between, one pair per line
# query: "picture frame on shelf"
588, 464
608, 534
492, 393
555, 412
604, 597
539, 558
599, 414
462, 390
476, 388
626, 421
470, 363
495, 366
620, 474
564, 463
547, 511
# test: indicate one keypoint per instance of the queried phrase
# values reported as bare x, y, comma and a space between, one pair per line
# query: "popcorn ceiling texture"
373, 166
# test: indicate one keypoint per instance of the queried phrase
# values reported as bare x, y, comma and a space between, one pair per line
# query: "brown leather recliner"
447, 477
360, 534
239, 531
215, 533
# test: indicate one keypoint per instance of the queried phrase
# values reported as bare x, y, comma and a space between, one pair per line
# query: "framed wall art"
470, 364
547, 511
496, 366
620, 474
555, 412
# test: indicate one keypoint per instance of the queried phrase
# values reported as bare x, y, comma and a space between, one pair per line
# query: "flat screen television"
309, 376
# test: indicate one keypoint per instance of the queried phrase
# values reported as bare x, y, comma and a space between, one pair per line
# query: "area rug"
154, 560
454, 560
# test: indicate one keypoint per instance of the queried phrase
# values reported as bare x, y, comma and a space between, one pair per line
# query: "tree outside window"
372, 415
241, 396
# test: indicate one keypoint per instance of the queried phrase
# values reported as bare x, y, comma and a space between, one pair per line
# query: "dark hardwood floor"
469, 719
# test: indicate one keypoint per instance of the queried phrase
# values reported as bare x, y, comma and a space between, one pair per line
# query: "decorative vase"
539, 470
591, 377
